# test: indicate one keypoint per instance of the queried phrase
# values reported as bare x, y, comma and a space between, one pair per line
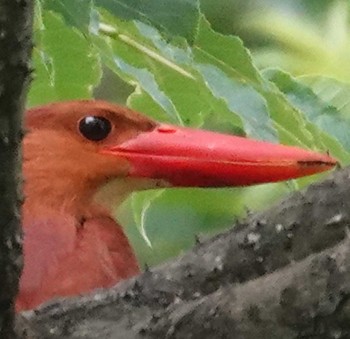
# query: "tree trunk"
15, 50
282, 273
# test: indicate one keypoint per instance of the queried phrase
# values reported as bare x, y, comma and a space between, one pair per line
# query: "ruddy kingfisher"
81, 158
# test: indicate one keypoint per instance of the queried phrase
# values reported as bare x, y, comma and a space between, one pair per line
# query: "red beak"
189, 157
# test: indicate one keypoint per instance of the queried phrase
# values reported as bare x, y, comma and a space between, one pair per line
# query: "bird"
82, 158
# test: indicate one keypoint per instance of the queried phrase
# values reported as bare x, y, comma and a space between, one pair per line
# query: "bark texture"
282, 273
15, 50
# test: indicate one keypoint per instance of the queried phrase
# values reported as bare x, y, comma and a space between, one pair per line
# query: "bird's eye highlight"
95, 128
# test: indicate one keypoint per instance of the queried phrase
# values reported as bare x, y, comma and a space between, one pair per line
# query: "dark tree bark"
15, 50
282, 273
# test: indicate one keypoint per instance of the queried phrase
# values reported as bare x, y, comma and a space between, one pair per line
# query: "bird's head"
75, 149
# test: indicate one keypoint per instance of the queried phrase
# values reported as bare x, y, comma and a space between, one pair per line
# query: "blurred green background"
89, 49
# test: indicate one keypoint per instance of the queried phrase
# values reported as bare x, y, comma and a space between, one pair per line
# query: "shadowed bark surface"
15, 50
282, 273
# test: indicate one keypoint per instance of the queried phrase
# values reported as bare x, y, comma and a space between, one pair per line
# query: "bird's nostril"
166, 129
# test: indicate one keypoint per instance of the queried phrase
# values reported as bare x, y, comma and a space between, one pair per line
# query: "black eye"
95, 128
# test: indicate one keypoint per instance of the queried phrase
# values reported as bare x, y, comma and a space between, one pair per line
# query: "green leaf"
176, 18
66, 64
147, 81
228, 54
225, 51
75, 12
141, 100
326, 117
241, 99
141, 203
334, 92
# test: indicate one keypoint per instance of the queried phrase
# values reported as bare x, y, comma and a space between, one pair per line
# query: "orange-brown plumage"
71, 244
82, 158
